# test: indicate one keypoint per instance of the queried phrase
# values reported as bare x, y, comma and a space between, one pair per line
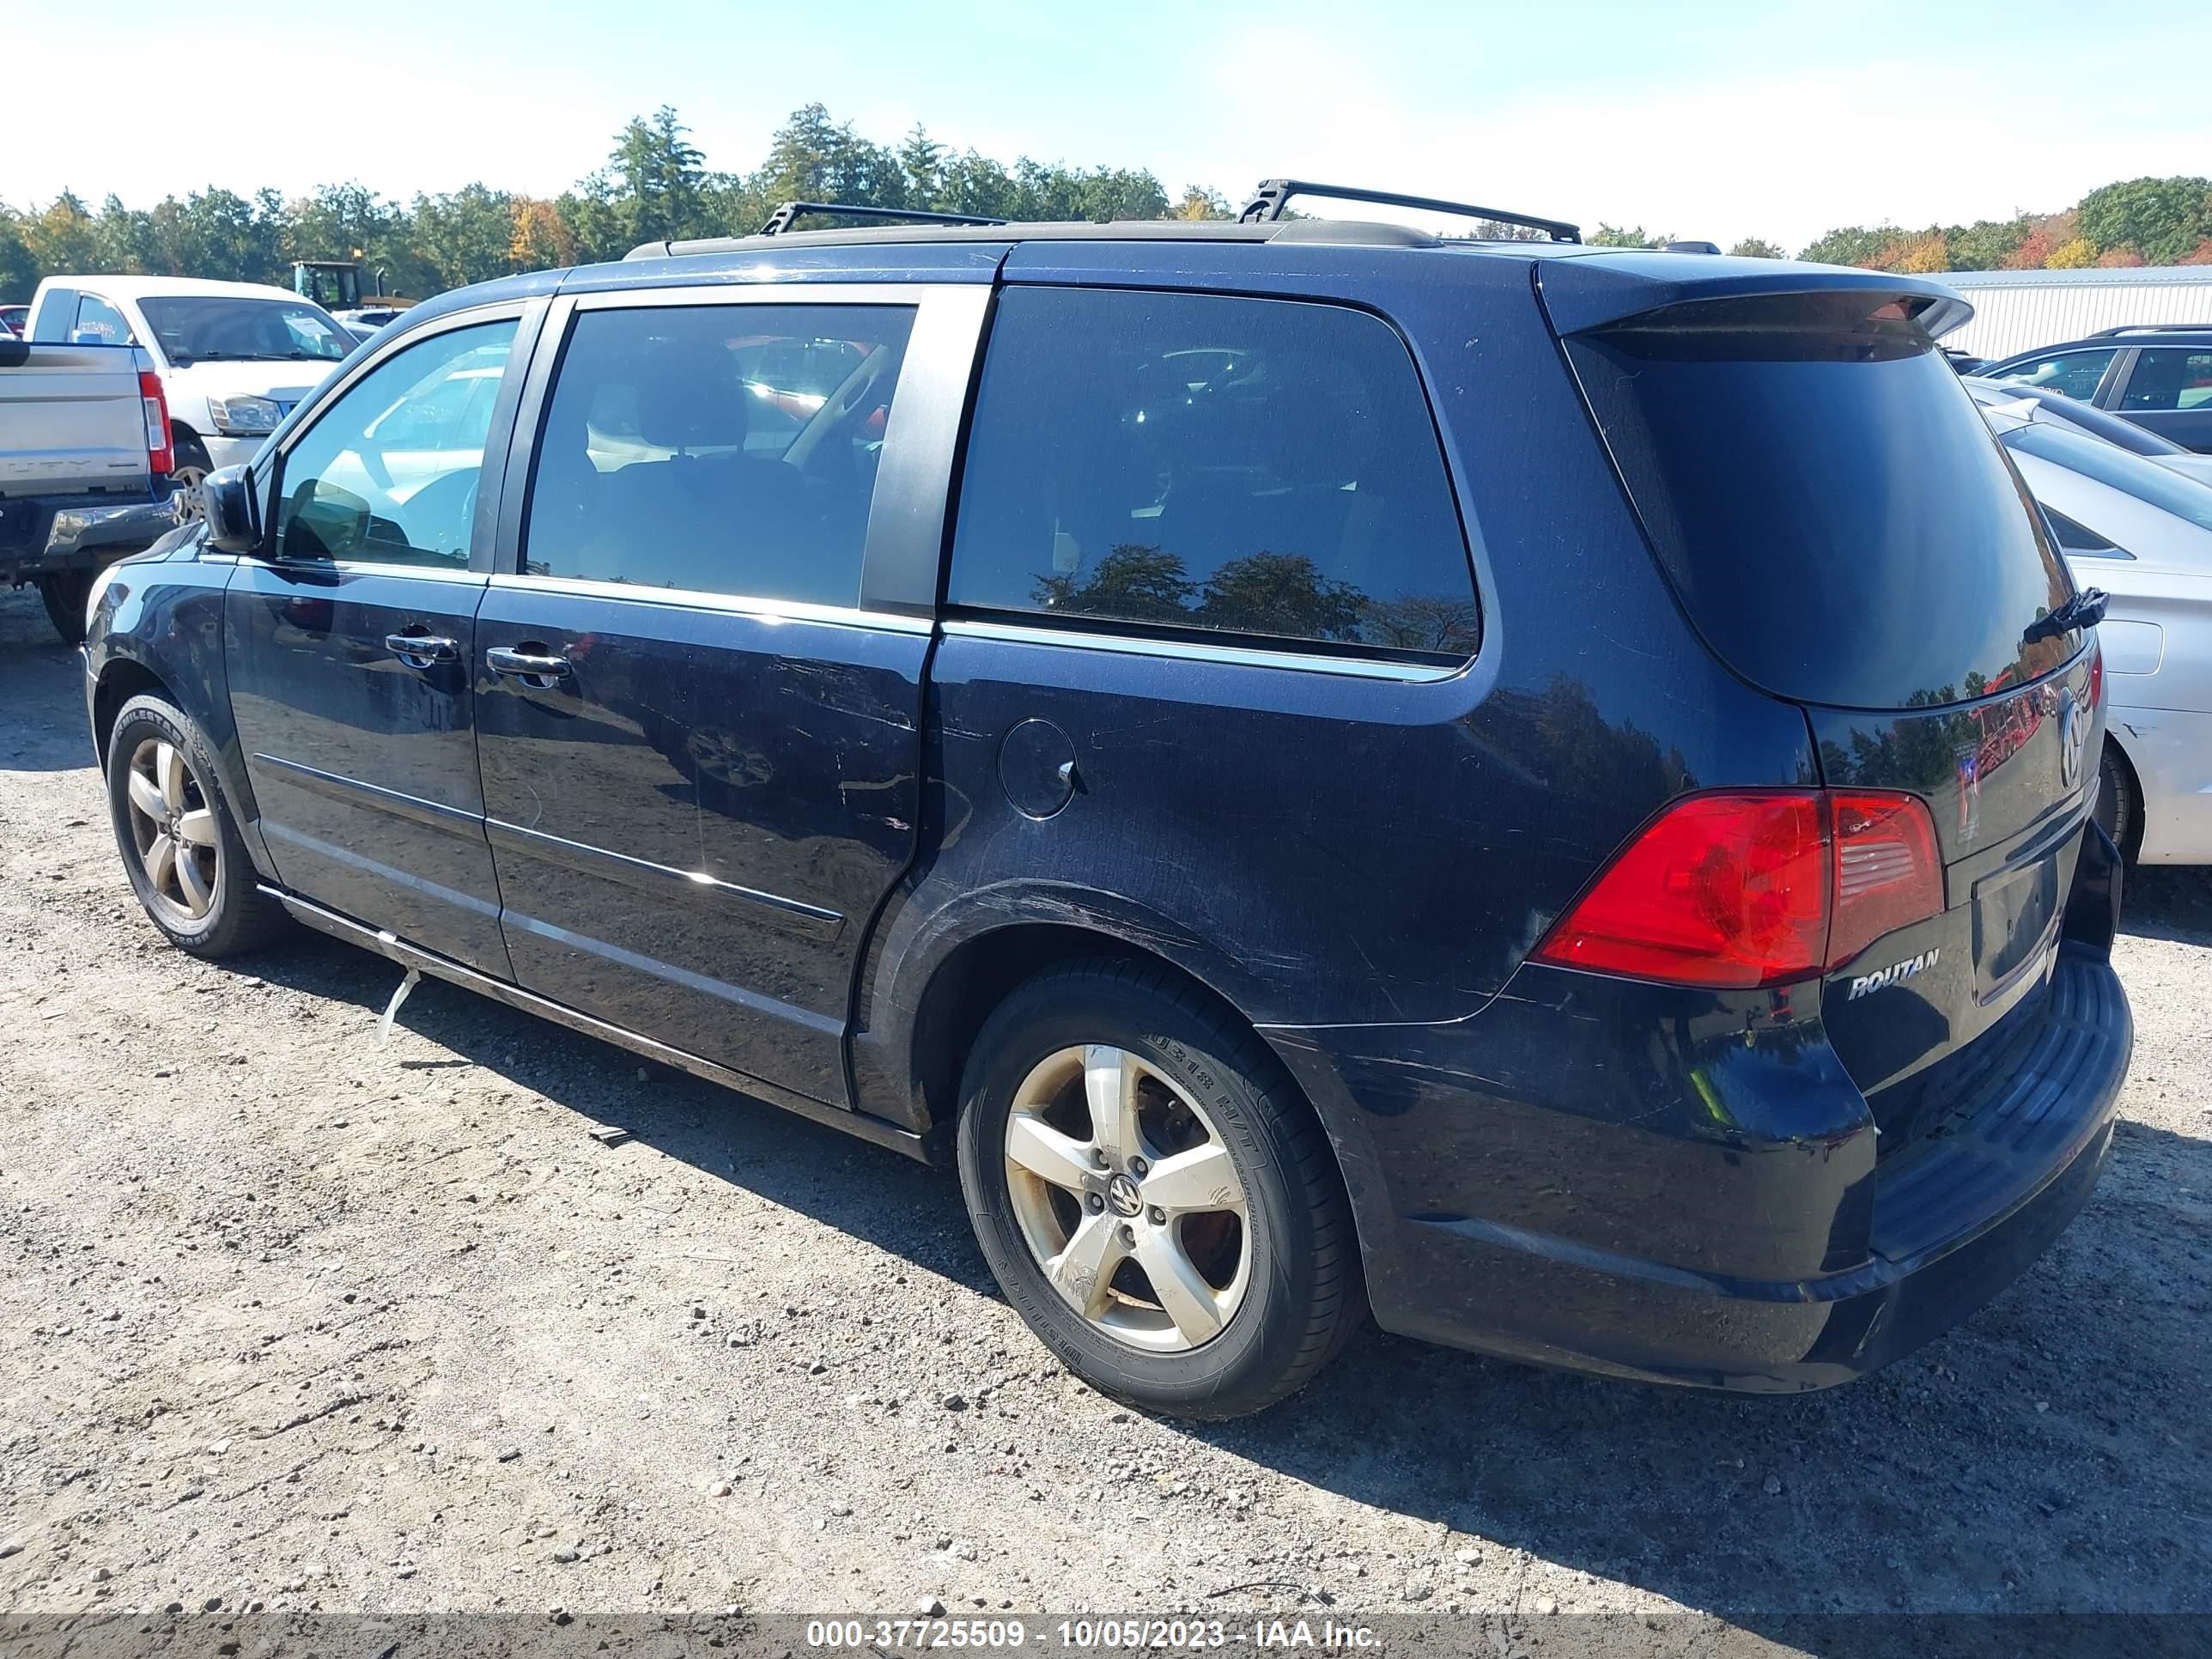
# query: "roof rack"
1267, 203
2152, 328
780, 221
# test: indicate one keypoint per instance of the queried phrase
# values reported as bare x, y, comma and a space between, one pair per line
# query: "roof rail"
1267, 203
780, 221
2152, 328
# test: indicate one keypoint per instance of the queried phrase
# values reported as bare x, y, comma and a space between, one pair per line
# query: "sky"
1716, 120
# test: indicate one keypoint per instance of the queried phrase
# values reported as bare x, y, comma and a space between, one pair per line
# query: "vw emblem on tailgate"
2072, 734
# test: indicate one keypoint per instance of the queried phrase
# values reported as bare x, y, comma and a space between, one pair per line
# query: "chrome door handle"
421, 650
536, 668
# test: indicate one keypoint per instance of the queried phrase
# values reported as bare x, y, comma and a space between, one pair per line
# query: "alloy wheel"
173, 830
1127, 1196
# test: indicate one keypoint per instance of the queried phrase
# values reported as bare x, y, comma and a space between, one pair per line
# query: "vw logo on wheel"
1122, 1196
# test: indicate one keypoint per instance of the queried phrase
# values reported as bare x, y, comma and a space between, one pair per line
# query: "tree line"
2135, 221
656, 185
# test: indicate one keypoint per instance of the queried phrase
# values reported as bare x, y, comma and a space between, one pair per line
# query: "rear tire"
2119, 803
179, 841
1219, 1185
65, 593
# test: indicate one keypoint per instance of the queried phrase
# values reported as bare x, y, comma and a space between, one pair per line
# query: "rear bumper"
1642, 1260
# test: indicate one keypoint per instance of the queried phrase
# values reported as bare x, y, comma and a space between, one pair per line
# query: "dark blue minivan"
1537, 790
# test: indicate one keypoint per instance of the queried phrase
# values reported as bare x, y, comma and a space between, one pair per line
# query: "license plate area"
2015, 911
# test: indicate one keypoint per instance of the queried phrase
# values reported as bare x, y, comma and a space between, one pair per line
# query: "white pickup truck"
85, 466
234, 357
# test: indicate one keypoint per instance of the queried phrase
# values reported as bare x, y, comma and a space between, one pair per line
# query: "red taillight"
1889, 874
1757, 888
160, 454
2096, 673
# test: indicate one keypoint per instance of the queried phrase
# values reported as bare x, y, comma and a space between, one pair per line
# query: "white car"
234, 357
2143, 533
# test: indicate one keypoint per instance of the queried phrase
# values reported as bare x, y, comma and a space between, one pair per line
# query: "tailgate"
2011, 780
70, 420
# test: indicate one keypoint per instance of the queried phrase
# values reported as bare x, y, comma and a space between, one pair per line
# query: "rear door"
2169, 389
349, 642
699, 670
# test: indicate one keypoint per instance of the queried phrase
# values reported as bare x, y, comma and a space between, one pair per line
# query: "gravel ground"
287, 1316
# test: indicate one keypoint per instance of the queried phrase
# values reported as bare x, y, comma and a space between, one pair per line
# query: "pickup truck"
85, 459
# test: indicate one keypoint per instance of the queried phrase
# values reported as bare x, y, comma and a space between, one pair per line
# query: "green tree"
921, 161
1851, 244
1608, 235
466, 236
123, 238
814, 158
209, 234
654, 178
19, 265
63, 238
1986, 243
1756, 247
2161, 218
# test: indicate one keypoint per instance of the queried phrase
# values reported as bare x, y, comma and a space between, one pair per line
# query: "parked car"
2158, 376
234, 357
14, 319
1319, 778
84, 447
2041, 404
2144, 536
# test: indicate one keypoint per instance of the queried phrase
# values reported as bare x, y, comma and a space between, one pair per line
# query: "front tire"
1156, 1201
190, 472
179, 839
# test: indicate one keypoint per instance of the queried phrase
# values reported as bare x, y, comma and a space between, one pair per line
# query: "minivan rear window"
1213, 465
1831, 507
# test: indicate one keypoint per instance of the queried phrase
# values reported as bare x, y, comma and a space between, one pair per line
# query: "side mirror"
232, 510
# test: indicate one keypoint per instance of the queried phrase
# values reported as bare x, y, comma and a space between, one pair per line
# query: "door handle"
421, 650
539, 668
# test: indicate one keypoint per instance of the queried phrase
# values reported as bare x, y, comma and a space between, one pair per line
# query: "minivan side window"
1262, 468
387, 474
727, 449
2076, 374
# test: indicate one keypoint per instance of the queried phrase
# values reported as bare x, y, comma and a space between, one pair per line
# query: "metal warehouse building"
2019, 310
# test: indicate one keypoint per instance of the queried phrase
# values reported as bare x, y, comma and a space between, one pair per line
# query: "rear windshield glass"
1832, 510
2147, 481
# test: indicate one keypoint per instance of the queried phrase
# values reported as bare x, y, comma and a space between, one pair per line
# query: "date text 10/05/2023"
1089, 1634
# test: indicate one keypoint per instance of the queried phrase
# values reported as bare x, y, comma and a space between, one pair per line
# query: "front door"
350, 647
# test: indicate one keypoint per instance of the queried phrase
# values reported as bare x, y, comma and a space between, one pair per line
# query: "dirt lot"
288, 1316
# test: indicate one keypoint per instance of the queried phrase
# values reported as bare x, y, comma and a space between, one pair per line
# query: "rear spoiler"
1580, 294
